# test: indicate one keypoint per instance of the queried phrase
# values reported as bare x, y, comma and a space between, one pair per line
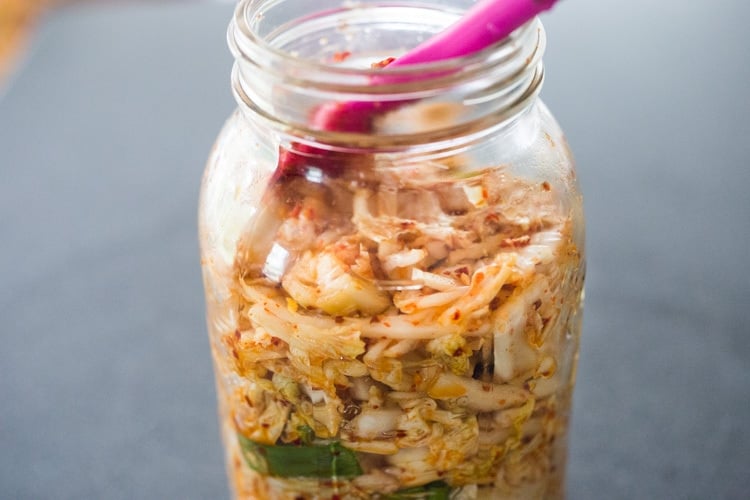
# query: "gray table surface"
106, 386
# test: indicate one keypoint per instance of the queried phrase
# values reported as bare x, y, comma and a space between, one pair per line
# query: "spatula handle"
488, 22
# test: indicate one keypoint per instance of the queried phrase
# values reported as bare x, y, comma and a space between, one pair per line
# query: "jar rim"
241, 34
282, 88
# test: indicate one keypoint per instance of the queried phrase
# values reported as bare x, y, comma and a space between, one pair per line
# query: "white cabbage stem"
477, 395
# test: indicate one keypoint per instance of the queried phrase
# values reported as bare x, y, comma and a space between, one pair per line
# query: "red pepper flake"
406, 237
341, 56
375, 319
494, 303
487, 387
518, 242
382, 64
546, 186
338, 320
386, 324
479, 277
456, 315
237, 334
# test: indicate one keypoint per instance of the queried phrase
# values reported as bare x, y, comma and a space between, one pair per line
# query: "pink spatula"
485, 24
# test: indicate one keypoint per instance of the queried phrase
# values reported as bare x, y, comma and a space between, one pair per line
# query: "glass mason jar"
393, 313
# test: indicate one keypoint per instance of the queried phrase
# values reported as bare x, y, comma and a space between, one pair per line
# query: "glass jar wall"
393, 312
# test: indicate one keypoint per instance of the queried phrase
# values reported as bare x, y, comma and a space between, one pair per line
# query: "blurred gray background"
106, 385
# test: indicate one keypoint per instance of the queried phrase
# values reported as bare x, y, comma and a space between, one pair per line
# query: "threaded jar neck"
293, 56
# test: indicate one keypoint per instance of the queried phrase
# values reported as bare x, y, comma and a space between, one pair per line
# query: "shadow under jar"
393, 313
